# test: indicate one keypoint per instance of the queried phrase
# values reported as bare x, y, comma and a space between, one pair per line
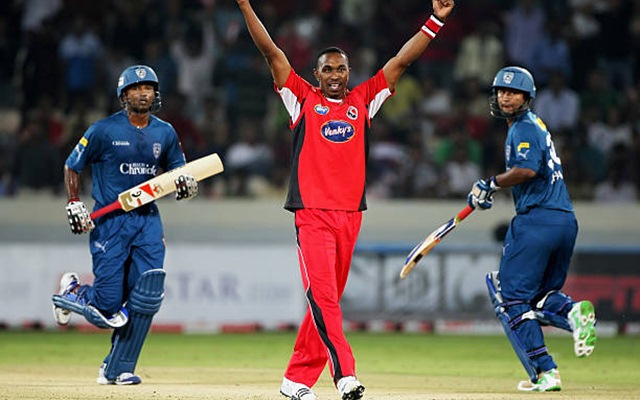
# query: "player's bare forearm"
415, 46
71, 183
274, 56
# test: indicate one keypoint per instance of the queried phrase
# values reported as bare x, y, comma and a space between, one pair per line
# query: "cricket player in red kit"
327, 189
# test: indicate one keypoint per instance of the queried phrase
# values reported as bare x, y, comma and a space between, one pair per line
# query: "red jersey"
330, 144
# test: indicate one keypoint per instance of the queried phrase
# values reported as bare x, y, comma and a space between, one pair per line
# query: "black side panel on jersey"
294, 199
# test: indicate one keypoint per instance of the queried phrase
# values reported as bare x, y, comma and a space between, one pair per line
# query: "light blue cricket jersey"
529, 145
122, 156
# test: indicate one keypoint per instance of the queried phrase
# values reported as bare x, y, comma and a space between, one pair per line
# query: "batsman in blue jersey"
127, 249
526, 292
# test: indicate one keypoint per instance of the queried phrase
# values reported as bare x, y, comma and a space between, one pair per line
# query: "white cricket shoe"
548, 381
68, 283
350, 388
582, 319
125, 378
296, 391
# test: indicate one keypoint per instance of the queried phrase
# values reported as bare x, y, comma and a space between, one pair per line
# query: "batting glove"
79, 218
186, 187
481, 195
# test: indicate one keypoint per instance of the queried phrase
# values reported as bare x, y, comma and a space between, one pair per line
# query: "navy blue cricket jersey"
529, 145
122, 156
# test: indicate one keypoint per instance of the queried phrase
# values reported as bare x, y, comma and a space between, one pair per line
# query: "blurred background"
59, 63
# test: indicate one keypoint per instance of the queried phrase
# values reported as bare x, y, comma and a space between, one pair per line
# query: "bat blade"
424, 247
162, 185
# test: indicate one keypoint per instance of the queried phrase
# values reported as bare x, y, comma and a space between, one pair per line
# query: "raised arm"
275, 57
418, 43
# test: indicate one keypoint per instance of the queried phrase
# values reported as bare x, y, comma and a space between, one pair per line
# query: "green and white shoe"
548, 381
582, 319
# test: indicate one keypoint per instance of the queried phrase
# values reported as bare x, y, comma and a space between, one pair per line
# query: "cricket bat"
431, 241
161, 185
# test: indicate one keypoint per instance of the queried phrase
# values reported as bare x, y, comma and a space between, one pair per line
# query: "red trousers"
326, 240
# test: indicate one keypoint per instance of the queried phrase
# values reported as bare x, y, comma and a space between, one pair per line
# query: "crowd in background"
60, 60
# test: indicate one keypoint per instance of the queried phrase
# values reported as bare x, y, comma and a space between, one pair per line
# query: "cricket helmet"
139, 74
516, 78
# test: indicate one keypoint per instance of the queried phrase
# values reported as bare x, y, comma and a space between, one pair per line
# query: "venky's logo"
337, 131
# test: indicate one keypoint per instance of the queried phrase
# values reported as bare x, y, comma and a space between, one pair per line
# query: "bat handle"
106, 210
464, 213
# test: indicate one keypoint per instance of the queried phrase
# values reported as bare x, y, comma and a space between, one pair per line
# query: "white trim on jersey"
377, 102
291, 103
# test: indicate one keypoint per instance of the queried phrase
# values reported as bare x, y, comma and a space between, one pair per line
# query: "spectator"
248, 161
9, 30
523, 26
551, 52
51, 121
364, 64
423, 179
435, 106
459, 173
116, 60
82, 53
174, 111
77, 121
37, 71
454, 137
584, 40
238, 73
388, 162
37, 12
615, 190
606, 134
618, 187
36, 163
590, 160
558, 105
481, 54
599, 94
296, 43
616, 42
399, 109
130, 31
195, 53
472, 108
158, 57
214, 127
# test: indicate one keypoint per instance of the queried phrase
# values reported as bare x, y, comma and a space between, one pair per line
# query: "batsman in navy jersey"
526, 292
127, 249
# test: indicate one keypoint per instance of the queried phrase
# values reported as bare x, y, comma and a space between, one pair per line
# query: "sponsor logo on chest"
337, 131
138, 169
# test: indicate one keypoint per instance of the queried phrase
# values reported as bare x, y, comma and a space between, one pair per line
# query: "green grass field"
63, 365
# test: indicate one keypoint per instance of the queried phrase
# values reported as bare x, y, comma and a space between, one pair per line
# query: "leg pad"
493, 285
144, 302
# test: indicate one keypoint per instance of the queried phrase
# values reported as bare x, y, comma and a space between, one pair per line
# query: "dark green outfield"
616, 361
